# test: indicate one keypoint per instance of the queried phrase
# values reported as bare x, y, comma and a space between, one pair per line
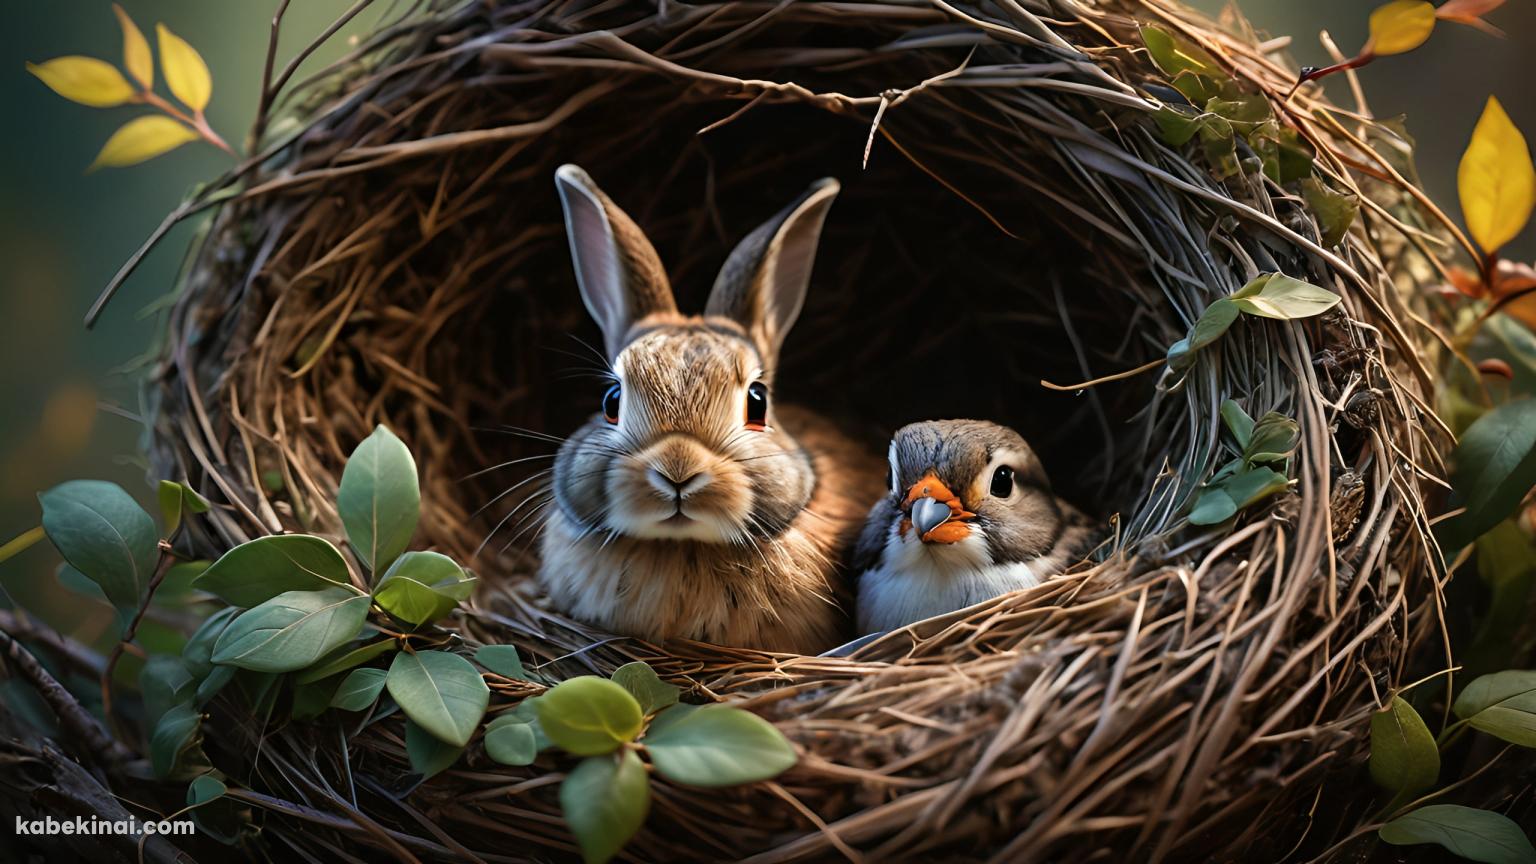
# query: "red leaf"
1470, 13
1495, 366
1466, 281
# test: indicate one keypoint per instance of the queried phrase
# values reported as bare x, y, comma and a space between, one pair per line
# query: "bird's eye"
1002, 482
757, 406
611, 404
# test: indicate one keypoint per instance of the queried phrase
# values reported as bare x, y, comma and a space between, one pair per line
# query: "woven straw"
396, 255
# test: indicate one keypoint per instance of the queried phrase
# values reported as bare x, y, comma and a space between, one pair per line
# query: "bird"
969, 515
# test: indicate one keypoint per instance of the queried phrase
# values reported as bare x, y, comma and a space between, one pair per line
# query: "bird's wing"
871, 545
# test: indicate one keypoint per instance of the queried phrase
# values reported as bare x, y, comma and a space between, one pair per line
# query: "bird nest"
1012, 211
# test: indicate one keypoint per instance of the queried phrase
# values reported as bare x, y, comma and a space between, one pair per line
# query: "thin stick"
72, 715
164, 566
1118, 376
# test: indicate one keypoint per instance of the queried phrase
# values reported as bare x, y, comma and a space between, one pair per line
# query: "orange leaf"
1470, 13
1466, 281
1400, 26
135, 50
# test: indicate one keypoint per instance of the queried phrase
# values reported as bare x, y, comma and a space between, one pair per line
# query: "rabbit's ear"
619, 272
762, 285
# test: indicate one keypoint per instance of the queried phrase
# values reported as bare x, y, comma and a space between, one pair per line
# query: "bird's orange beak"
954, 528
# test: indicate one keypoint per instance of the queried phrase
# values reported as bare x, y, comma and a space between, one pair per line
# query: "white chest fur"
918, 580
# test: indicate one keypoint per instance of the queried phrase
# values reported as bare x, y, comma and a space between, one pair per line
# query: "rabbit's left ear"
762, 285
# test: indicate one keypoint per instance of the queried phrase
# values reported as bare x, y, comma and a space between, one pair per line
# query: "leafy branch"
1403, 25
99, 84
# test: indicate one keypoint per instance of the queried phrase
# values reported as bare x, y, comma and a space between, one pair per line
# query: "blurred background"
68, 396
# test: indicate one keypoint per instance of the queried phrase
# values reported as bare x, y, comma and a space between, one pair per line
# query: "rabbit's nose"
670, 484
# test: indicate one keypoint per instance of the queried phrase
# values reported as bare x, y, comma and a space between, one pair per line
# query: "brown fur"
682, 520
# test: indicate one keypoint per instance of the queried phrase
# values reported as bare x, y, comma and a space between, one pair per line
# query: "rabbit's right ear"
617, 268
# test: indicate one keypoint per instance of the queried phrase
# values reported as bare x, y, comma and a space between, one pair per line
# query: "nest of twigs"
396, 255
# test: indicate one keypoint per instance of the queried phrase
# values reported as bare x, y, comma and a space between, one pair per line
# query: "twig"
1129, 373
265, 103
166, 558
73, 717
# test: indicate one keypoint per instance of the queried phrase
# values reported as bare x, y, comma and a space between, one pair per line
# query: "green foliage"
1335, 211
256, 571
590, 716
605, 801
646, 686
379, 499
1252, 476
1271, 295
1494, 466
175, 499
502, 660
512, 739
343, 659
1477, 835
176, 736
103, 533
1404, 757
359, 690
439, 691
1502, 704
719, 746
428, 753
421, 587
292, 630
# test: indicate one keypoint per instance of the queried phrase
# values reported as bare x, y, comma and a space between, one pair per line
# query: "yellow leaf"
1400, 26
135, 50
185, 72
1496, 180
86, 80
142, 138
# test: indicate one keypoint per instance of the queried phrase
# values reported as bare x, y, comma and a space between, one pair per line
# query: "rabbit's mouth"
679, 490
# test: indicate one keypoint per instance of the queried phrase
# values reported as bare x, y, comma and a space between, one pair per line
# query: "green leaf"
1212, 507
175, 499
359, 690
254, 572
503, 660
421, 587
1477, 835
164, 683
1334, 211
605, 801
429, 755
102, 532
649, 690
1180, 357
292, 630
1279, 296
310, 700
1238, 422
1213, 322
1243, 110
204, 789
1494, 466
379, 499
511, 740
528, 712
589, 716
1177, 126
1254, 485
1284, 156
1506, 564
198, 652
1174, 55
1404, 757
1502, 704
719, 746
441, 692
342, 661
174, 737
1274, 437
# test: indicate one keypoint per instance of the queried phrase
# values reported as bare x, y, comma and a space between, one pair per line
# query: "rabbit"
693, 505
969, 515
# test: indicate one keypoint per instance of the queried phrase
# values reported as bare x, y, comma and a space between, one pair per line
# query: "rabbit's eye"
1002, 482
757, 406
611, 404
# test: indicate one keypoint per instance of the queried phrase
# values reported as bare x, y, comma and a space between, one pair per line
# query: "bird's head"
972, 490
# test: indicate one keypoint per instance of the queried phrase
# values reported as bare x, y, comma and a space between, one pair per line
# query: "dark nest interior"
396, 255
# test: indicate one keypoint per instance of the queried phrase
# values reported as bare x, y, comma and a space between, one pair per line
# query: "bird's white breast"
916, 580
